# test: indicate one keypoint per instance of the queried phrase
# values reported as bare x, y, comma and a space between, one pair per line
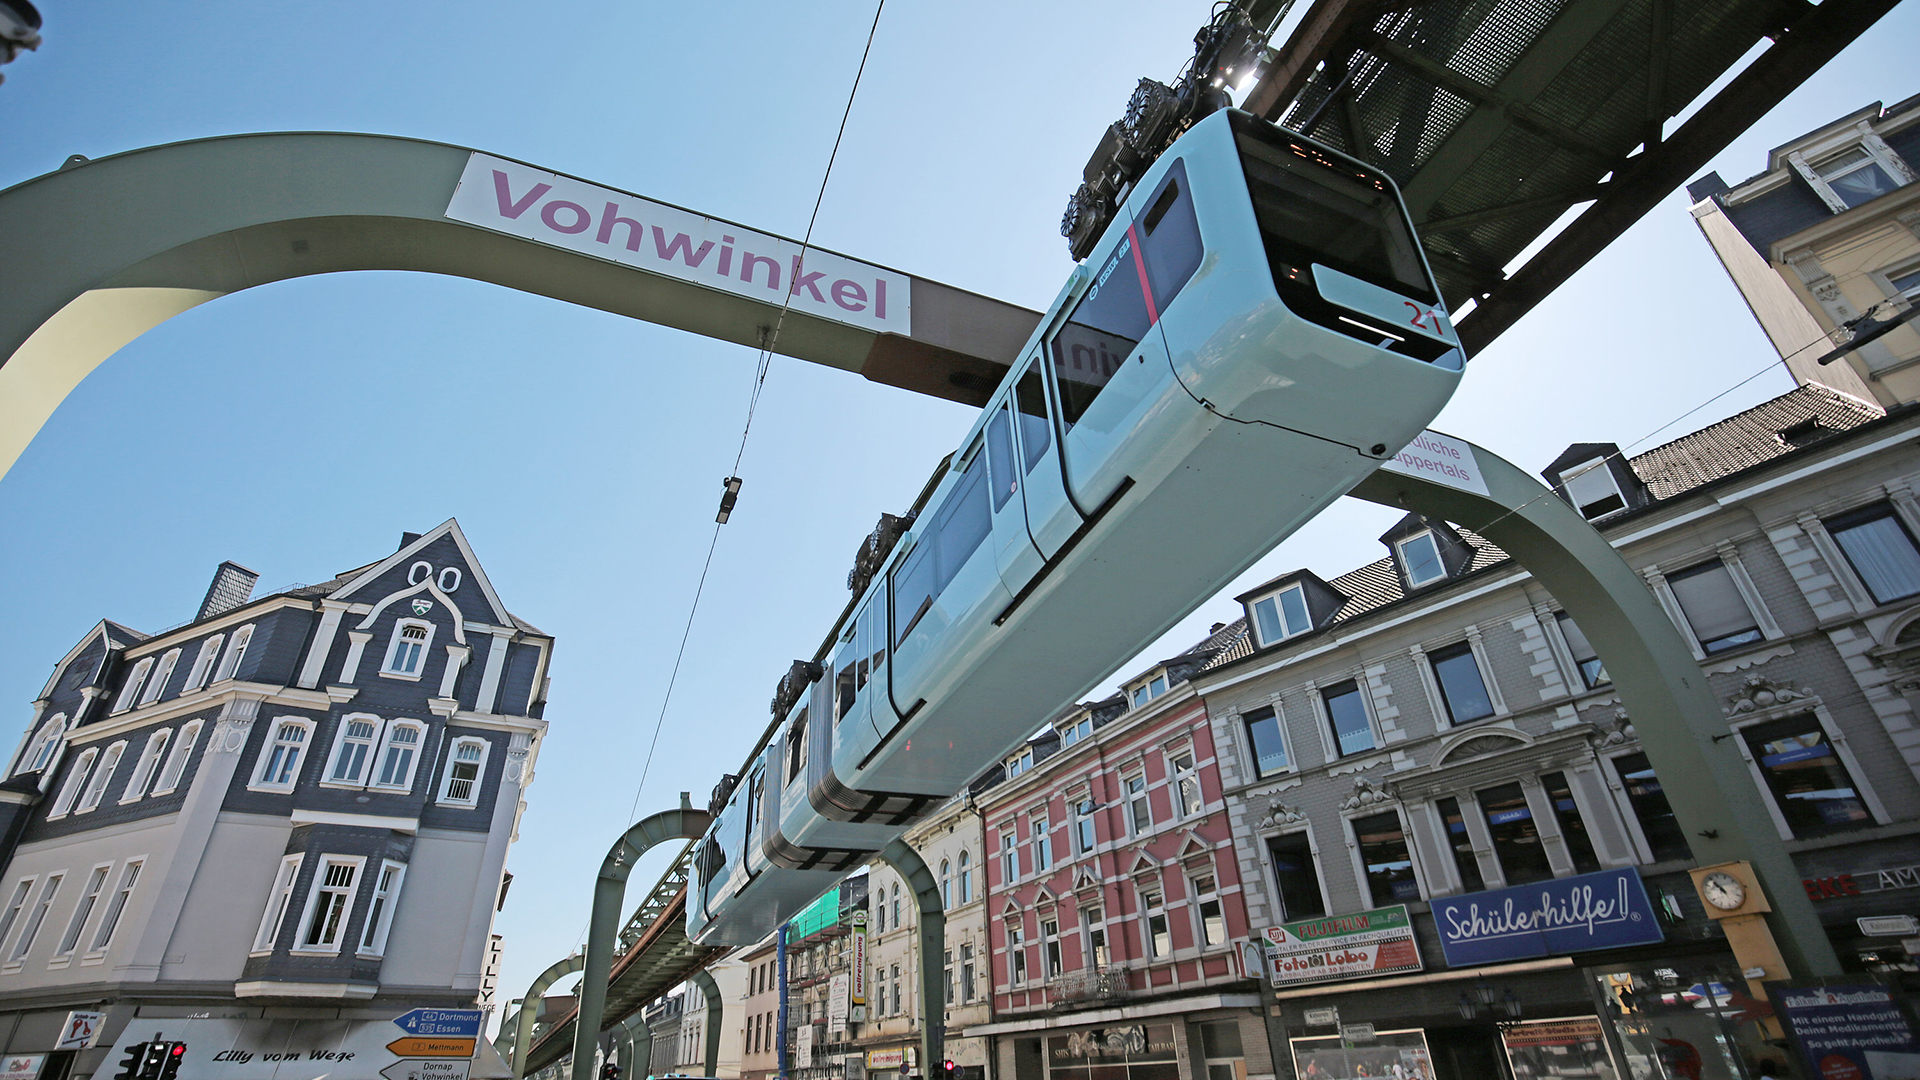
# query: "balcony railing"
1079, 987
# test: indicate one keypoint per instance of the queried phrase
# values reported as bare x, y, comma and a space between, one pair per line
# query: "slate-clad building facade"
295, 802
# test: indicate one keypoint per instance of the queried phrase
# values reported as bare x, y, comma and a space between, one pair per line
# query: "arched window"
946, 884
353, 750
966, 878
149, 761
102, 776
131, 688
76, 779
177, 760
44, 744
464, 766
161, 676
236, 651
202, 668
896, 907
407, 653
281, 757
398, 756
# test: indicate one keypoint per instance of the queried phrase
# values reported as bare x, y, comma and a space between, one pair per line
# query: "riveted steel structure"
517, 1032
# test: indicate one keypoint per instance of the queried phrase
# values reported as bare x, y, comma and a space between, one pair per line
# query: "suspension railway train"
1254, 334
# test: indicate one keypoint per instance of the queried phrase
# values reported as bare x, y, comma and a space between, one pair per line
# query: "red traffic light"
180, 1048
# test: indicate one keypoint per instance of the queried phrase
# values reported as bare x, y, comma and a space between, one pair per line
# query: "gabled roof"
449, 527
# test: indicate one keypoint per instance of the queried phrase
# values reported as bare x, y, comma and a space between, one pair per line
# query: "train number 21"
1425, 318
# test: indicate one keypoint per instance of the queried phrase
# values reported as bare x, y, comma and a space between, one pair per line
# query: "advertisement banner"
534, 204
1569, 1046
803, 1047
1848, 1032
21, 1066
1604, 910
858, 991
886, 1059
837, 1002
1377, 942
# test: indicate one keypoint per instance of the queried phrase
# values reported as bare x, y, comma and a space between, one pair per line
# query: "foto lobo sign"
547, 208
1604, 910
1377, 942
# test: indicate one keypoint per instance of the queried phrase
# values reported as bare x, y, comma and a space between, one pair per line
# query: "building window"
946, 885
102, 776
947, 969
899, 999
1462, 688
1460, 842
177, 760
351, 749
1207, 910
399, 753
462, 786
280, 757
1573, 827
37, 919
326, 914
406, 654
1083, 826
1154, 926
966, 876
161, 675
1092, 918
1009, 857
1385, 858
1516, 836
1809, 783
130, 690
1665, 839
1593, 671
1269, 743
236, 652
1591, 487
1186, 785
386, 893
82, 911
14, 906
1050, 946
1716, 612
1880, 550
1347, 716
1019, 763
1282, 615
1296, 877
966, 972
1073, 733
896, 907
45, 743
1420, 559
116, 907
1138, 811
1149, 690
203, 663
76, 780
278, 901
1854, 176
144, 768
1016, 954
1042, 846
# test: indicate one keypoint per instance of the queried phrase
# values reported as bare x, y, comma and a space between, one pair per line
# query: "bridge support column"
1679, 722
517, 1031
932, 927
636, 1051
609, 894
716, 1012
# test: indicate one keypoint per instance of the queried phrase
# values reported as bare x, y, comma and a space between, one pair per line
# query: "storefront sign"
1604, 910
21, 1066
1377, 942
78, 1032
837, 992
1854, 1032
1888, 925
857, 990
1129, 1044
1573, 1046
1868, 881
534, 204
886, 1059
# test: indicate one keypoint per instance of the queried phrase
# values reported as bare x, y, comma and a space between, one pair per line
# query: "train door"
1051, 516
1013, 548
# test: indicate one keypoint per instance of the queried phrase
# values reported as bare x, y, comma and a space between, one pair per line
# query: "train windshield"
1315, 207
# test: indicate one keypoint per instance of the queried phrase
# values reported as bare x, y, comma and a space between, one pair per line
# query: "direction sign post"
428, 1069
455, 1023
431, 1047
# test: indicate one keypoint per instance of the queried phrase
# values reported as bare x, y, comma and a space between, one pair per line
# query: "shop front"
1120, 1052
970, 1055
892, 1063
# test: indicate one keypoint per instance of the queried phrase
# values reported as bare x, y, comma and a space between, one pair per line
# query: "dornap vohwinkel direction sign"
459, 1023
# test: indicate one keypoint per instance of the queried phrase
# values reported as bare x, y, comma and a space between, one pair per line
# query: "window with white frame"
116, 906
102, 776
1147, 691
1853, 176
1155, 931
1074, 732
1905, 282
1042, 845
1185, 785
1083, 826
399, 755
353, 750
1880, 551
1810, 784
280, 757
202, 669
966, 877
1282, 615
1019, 763
1207, 912
1268, 741
1347, 718
1093, 920
82, 911
1593, 671
37, 919
946, 884
1139, 810
464, 765
236, 652
76, 781
1016, 953
1009, 856
406, 654
386, 893
1591, 487
1420, 558
45, 743
144, 768
1715, 611
328, 904
15, 904
161, 676
278, 901
1463, 689
1050, 948
966, 971
177, 760
130, 690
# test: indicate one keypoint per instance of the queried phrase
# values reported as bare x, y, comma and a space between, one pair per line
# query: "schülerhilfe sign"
1603, 910
520, 200
1442, 459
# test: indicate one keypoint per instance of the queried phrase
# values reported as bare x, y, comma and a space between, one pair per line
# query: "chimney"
232, 586
407, 538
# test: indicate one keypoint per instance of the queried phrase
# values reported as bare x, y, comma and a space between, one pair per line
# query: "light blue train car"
1254, 334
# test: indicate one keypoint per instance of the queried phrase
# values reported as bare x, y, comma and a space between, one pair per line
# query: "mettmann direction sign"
1365, 943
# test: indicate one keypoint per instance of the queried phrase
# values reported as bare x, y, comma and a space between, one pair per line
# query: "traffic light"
949, 1071
609, 1071
130, 1066
177, 1052
153, 1060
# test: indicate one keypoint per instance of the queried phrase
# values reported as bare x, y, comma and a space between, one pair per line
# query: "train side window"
955, 531
846, 683
797, 747
1035, 433
1170, 237
1099, 336
1000, 454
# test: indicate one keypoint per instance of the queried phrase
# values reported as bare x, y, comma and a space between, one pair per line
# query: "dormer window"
1074, 732
1147, 691
1284, 614
1853, 176
1591, 487
1019, 763
1420, 559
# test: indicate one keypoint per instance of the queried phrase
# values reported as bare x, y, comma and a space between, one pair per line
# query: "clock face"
1723, 890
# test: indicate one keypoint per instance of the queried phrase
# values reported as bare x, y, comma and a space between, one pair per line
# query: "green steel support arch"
933, 943
716, 1016
517, 1032
635, 1047
1660, 684
609, 896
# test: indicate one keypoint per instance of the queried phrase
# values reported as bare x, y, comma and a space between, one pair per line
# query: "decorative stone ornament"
1758, 692
1273, 813
422, 605
1621, 734
1366, 792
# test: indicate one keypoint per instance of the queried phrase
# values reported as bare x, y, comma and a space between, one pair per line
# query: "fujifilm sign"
520, 200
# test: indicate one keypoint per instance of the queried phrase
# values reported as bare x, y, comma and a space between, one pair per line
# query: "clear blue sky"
300, 427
